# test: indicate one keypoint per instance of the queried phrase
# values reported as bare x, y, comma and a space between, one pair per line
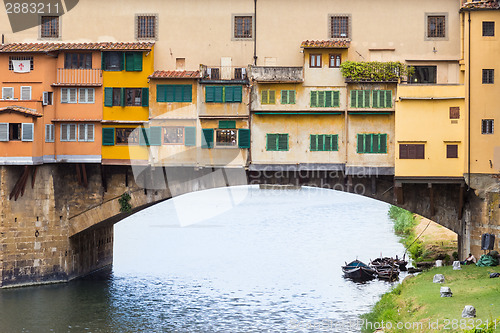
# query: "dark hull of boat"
359, 273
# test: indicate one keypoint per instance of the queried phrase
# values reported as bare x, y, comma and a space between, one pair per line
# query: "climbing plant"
375, 71
124, 201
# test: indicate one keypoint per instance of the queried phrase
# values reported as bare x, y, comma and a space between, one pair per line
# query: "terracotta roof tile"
50, 47
175, 75
480, 5
326, 44
22, 110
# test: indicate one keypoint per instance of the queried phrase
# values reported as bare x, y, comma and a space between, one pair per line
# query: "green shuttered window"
360, 98
108, 96
372, 143
288, 97
325, 99
324, 142
382, 99
207, 139
133, 61
177, 93
190, 136
225, 124
244, 138
223, 94
108, 136
277, 142
268, 96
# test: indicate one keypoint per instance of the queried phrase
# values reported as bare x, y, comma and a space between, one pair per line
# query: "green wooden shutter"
272, 96
227, 124
238, 94
383, 143
122, 96
207, 139
328, 142
376, 99
178, 93
368, 143
155, 136
291, 97
284, 97
129, 61
145, 96
244, 138
272, 142
190, 136
103, 61
228, 94
313, 142
122, 56
108, 136
314, 99
145, 136
336, 99
264, 97
169, 93
108, 96
328, 99
209, 94
161, 93
366, 97
219, 95
375, 143
187, 95
282, 141
321, 98
388, 98
361, 141
138, 61
354, 98
335, 142
321, 142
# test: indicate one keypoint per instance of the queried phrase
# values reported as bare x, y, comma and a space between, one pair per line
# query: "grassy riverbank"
417, 302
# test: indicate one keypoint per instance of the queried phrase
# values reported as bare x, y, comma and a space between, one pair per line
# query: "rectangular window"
68, 95
4, 132
268, 96
487, 126
315, 60
86, 95
324, 142
372, 143
117, 96
25, 93
207, 138
243, 27
339, 26
146, 26
423, 74
335, 60
49, 133
27, 132
68, 132
14, 132
78, 60
360, 98
7, 93
412, 151
133, 96
86, 132
436, 26
451, 151
133, 61
223, 94
382, 99
288, 97
11, 65
127, 136
225, 138
174, 93
47, 98
325, 99
173, 135
488, 76
277, 142
454, 112
113, 61
488, 29
49, 27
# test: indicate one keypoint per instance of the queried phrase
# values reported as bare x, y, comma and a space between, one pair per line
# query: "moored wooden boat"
358, 271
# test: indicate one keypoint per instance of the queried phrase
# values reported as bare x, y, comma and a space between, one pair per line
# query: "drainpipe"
469, 111
255, 33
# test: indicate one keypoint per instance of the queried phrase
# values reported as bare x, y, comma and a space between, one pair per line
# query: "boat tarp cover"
487, 260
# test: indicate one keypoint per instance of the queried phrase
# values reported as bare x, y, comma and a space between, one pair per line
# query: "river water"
266, 261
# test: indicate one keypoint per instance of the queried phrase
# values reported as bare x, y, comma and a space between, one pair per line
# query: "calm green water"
266, 261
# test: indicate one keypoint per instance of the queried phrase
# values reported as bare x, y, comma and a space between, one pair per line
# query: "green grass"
418, 300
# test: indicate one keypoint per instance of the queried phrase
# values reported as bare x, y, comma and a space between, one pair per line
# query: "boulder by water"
446, 292
469, 312
438, 278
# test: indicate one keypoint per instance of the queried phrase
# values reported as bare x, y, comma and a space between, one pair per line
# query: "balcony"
374, 72
277, 74
78, 77
223, 74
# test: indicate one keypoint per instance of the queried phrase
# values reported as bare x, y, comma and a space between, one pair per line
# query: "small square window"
315, 60
436, 26
146, 26
173, 135
243, 27
488, 76
339, 26
335, 60
451, 151
488, 29
487, 126
49, 27
454, 112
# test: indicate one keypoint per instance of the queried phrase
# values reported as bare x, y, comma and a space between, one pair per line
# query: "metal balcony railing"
223, 73
79, 77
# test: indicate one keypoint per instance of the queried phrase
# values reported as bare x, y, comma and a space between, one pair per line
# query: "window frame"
487, 126
233, 144
137, 26
348, 30
428, 17
268, 97
132, 133
234, 18
134, 102
277, 141
54, 34
86, 96
29, 89
83, 60
68, 95
379, 149
337, 60
488, 29
164, 135
314, 63
19, 131
86, 132
422, 67
288, 97
68, 132
11, 89
419, 154
333, 138
30, 58
451, 150
324, 93
51, 132
488, 76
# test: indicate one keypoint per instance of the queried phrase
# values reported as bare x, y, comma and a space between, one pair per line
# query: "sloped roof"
480, 5
325, 44
21, 109
103, 46
175, 75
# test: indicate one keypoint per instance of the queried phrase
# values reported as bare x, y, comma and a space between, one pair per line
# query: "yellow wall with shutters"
126, 153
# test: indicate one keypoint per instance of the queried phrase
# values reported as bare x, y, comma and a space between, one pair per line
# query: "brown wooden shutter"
451, 151
403, 151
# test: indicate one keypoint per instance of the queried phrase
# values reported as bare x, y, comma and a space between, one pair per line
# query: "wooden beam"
126, 176
103, 178
374, 185
461, 201
431, 197
78, 175
25, 180
84, 174
17, 187
33, 176
400, 200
